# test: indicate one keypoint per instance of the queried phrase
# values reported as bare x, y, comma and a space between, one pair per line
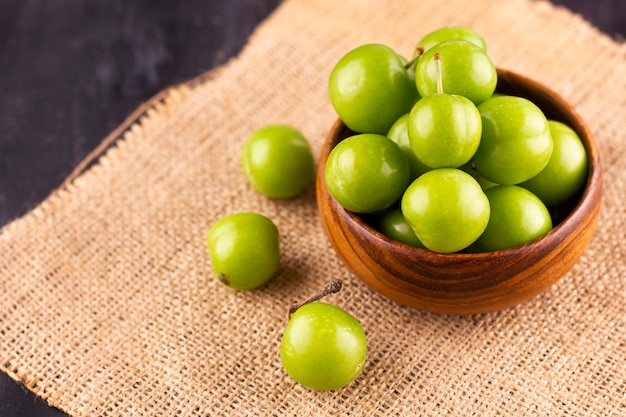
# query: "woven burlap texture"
109, 306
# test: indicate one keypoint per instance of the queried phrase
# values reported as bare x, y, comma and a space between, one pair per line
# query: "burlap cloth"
109, 307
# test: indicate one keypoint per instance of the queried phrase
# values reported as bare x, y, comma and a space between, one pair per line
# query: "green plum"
393, 225
244, 250
447, 209
450, 33
399, 133
566, 171
277, 161
466, 71
516, 143
444, 130
323, 347
517, 217
367, 173
369, 88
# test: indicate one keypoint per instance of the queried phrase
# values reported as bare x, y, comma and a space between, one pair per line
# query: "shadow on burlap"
110, 307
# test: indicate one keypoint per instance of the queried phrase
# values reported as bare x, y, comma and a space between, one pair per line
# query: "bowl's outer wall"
467, 283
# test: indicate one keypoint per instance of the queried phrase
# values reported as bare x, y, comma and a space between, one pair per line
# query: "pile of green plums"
439, 159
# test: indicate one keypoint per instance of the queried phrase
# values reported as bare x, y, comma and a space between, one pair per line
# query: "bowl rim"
585, 203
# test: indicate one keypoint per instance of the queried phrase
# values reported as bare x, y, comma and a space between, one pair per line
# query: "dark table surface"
73, 70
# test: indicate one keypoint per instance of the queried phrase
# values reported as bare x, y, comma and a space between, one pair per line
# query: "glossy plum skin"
517, 217
450, 33
393, 224
447, 209
444, 130
367, 173
516, 143
323, 347
244, 250
566, 171
277, 161
370, 88
399, 133
466, 70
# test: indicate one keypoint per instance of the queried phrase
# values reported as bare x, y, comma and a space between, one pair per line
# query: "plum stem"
331, 287
418, 53
439, 74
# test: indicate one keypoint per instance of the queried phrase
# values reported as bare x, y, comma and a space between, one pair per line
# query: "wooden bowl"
463, 283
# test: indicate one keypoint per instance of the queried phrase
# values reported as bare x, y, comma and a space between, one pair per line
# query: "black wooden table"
72, 70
